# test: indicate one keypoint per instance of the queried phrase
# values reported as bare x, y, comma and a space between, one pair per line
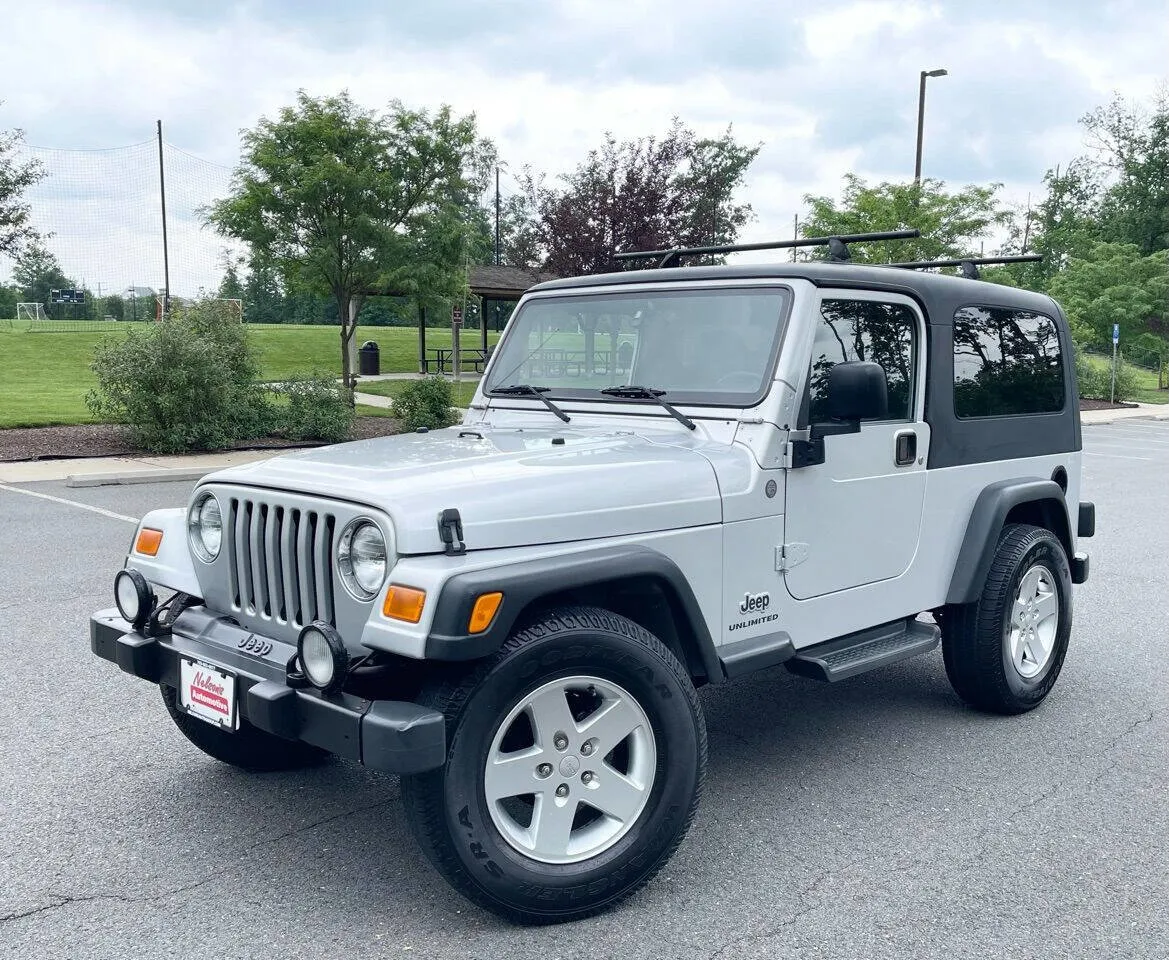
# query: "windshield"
712, 347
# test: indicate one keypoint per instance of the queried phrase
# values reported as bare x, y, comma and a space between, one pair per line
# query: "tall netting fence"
100, 214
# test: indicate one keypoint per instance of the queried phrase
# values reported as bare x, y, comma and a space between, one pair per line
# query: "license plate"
207, 693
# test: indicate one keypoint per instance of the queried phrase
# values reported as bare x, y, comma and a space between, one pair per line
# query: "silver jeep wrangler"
667, 478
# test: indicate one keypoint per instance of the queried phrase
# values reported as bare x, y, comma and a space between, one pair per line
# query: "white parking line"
1136, 436
1116, 456
69, 503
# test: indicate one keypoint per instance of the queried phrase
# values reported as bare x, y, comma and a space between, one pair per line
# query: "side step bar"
857, 653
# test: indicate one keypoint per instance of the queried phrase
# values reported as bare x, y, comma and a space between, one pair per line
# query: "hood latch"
450, 528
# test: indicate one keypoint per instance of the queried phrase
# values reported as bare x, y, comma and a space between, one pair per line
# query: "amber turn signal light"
484, 612
404, 603
148, 542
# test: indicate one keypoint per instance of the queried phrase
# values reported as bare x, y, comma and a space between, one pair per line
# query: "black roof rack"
969, 265
837, 247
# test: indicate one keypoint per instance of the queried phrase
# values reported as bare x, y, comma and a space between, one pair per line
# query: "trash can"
369, 359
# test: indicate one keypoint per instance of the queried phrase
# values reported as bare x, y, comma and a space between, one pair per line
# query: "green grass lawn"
463, 391
44, 376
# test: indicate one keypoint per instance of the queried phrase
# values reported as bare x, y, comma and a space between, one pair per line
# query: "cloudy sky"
826, 88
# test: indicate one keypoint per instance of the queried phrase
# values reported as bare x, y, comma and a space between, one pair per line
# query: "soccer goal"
31, 311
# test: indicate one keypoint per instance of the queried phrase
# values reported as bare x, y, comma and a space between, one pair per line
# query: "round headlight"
134, 597
323, 656
362, 559
205, 527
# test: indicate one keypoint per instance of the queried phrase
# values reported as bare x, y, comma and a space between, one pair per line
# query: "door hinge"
790, 555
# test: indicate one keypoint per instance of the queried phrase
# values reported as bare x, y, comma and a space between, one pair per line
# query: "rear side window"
1006, 363
884, 333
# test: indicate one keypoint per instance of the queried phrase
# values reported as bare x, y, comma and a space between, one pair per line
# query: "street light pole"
497, 248
921, 120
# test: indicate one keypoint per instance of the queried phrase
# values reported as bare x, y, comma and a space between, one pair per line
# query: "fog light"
323, 656
134, 597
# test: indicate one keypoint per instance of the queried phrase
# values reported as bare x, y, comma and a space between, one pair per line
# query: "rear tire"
248, 748
535, 849
1004, 652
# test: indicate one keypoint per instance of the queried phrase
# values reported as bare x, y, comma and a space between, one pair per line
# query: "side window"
1006, 363
885, 333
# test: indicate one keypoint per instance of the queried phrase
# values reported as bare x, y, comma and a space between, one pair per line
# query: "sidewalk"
99, 471
1149, 411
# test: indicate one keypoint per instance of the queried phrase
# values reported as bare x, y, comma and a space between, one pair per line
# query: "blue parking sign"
1116, 333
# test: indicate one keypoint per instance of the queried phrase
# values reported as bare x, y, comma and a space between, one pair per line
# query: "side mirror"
857, 390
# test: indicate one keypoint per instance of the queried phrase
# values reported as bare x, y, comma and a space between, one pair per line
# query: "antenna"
837, 247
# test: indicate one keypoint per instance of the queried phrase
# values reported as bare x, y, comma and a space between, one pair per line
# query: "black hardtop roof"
939, 293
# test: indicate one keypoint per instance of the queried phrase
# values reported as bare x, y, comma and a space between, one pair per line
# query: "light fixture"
323, 656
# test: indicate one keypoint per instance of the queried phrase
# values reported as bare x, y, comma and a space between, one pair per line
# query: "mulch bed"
1105, 405
108, 440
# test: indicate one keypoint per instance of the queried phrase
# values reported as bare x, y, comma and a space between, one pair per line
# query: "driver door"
856, 518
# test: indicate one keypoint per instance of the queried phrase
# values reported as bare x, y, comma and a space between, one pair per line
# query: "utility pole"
165, 253
925, 74
795, 233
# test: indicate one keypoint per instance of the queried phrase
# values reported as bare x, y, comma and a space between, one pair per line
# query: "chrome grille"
280, 561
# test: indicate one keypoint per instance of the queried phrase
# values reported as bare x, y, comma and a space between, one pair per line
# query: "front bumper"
386, 735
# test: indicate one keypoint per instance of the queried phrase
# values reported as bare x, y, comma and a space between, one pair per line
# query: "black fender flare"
527, 581
986, 522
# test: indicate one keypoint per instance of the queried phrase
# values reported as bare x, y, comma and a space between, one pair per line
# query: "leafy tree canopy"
649, 193
1134, 146
952, 222
1113, 283
16, 176
37, 272
341, 200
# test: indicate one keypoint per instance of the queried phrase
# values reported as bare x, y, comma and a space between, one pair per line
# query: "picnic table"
443, 359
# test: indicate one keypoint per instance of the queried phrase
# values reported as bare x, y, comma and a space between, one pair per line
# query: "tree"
636, 195
1114, 284
952, 223
341, 201
1064, 224
16, 176
37, 273
1135, 147
231, 287
9, 297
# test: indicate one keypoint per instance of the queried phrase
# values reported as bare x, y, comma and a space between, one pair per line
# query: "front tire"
248, 748
576, 759
1004, 652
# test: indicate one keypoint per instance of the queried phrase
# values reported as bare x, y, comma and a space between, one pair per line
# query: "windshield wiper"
631, 392
527, 390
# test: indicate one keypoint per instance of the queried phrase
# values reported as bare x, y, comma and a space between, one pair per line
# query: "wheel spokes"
550, 715
551, 829
512, 774
615, 795
611, 723
1046, 606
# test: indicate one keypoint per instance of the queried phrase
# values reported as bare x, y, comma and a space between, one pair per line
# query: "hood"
512, 487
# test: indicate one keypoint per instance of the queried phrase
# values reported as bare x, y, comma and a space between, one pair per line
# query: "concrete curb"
171, 475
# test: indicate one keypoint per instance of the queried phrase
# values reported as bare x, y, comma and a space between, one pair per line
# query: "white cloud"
825, 90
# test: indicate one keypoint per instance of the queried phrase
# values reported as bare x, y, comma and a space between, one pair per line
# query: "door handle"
904, 447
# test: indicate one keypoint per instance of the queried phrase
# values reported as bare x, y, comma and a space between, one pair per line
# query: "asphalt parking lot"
872, 818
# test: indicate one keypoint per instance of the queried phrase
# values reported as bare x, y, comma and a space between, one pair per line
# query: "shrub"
316, 408
425, 403
1094, 379
189, 382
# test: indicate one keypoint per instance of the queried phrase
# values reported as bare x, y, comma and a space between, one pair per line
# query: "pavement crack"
64, 900
790, 921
